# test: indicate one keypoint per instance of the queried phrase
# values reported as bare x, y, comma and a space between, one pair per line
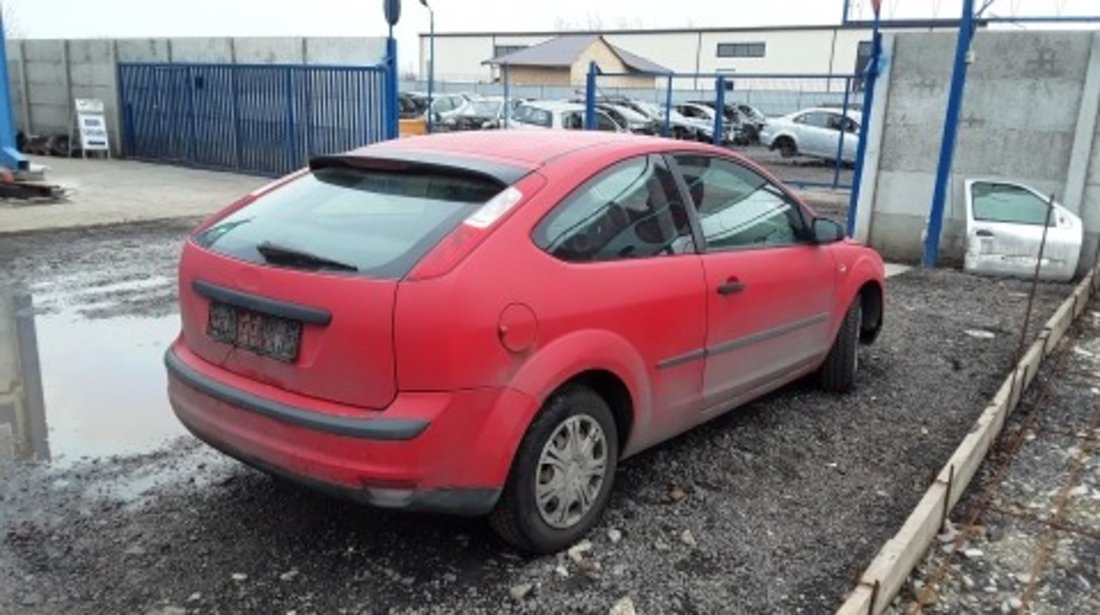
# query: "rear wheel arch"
601, 360
872, 302
786, 144
613, 390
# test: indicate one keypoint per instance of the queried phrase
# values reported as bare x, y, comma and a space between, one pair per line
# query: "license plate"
263, 334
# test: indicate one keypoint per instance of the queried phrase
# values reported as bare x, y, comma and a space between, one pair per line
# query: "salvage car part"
1004, 230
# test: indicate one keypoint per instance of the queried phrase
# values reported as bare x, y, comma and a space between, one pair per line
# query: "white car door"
814, 135
1004, 230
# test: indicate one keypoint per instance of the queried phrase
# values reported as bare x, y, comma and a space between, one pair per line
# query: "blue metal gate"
265, 119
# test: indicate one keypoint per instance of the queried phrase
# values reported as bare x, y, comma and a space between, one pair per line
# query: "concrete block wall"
1022, 119
57, 71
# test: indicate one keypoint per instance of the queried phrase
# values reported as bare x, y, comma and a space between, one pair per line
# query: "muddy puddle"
75, 389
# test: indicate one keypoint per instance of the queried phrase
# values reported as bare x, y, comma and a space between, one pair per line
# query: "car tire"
518, 517
787, 148
838, 373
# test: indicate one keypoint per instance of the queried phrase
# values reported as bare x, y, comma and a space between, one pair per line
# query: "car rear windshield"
376, 223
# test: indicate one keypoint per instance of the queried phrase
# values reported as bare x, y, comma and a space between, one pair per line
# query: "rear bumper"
442, 452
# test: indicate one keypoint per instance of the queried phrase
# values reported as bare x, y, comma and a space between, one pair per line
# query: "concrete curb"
886, 574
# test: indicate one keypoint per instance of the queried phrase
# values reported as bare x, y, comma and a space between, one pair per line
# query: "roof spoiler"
414, 161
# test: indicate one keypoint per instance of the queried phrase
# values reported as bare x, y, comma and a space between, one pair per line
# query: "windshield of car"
630, 115
527, 114
379, 223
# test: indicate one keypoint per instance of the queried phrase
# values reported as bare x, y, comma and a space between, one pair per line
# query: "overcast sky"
138, 18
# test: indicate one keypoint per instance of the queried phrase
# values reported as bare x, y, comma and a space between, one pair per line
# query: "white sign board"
92, 125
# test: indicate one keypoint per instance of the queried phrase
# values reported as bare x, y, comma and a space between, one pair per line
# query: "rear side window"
1008, 203
376, 223
814, 118
632, 210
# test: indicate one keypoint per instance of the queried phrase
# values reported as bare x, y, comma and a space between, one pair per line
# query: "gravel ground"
1030, 550
775, 507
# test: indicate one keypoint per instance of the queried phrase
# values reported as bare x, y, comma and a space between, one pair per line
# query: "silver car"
815, 132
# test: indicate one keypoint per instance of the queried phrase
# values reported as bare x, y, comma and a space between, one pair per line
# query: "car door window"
631, 210
737, 207
534, 116
995, 202
605, 123
572, 121
815, 119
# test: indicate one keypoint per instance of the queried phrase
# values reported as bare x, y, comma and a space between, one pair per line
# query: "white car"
1004, 230
815, 132
447, 105
681, 127
559, 115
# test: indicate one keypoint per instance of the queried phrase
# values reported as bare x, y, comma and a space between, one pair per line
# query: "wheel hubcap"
571, 471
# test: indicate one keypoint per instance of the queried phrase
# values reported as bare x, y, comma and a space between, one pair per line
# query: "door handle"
984, 233
732, 285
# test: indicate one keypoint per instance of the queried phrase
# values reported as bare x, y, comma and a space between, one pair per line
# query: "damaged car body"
1005, 223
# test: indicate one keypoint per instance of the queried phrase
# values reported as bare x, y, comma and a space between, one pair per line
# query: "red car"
488, 322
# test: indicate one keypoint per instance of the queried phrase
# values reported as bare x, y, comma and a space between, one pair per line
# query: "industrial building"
564, 60
818, 50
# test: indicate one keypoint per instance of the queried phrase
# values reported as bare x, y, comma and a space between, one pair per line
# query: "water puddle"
74, 389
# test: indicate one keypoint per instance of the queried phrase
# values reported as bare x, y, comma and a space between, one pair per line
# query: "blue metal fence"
265, 119
821, 156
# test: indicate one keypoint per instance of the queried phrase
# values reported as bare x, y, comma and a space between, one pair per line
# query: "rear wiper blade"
293, 257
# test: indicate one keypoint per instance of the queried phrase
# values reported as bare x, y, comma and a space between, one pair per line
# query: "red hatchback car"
488, 322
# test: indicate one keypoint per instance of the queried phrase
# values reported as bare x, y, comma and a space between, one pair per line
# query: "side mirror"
437, 117
827, 231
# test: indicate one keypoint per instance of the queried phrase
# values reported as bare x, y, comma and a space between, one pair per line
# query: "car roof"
518, 147
555, 105
851, 113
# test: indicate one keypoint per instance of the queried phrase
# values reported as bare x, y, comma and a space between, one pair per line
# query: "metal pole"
840, 141
590, 98
507, 109
950, 133
668, 108
869, 82
25, 98
1034, 281
719, 109
9, 156
431, 63
391, 87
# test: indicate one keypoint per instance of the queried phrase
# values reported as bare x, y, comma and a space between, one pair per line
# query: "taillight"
460, 242
248, 199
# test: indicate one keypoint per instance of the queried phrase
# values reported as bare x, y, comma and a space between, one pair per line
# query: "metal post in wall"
25, 99
70, 104
950, 134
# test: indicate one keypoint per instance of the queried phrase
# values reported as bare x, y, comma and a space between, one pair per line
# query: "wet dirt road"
784, 500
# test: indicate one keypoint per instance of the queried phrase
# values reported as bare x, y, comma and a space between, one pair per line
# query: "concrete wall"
57, 71
1022, 119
